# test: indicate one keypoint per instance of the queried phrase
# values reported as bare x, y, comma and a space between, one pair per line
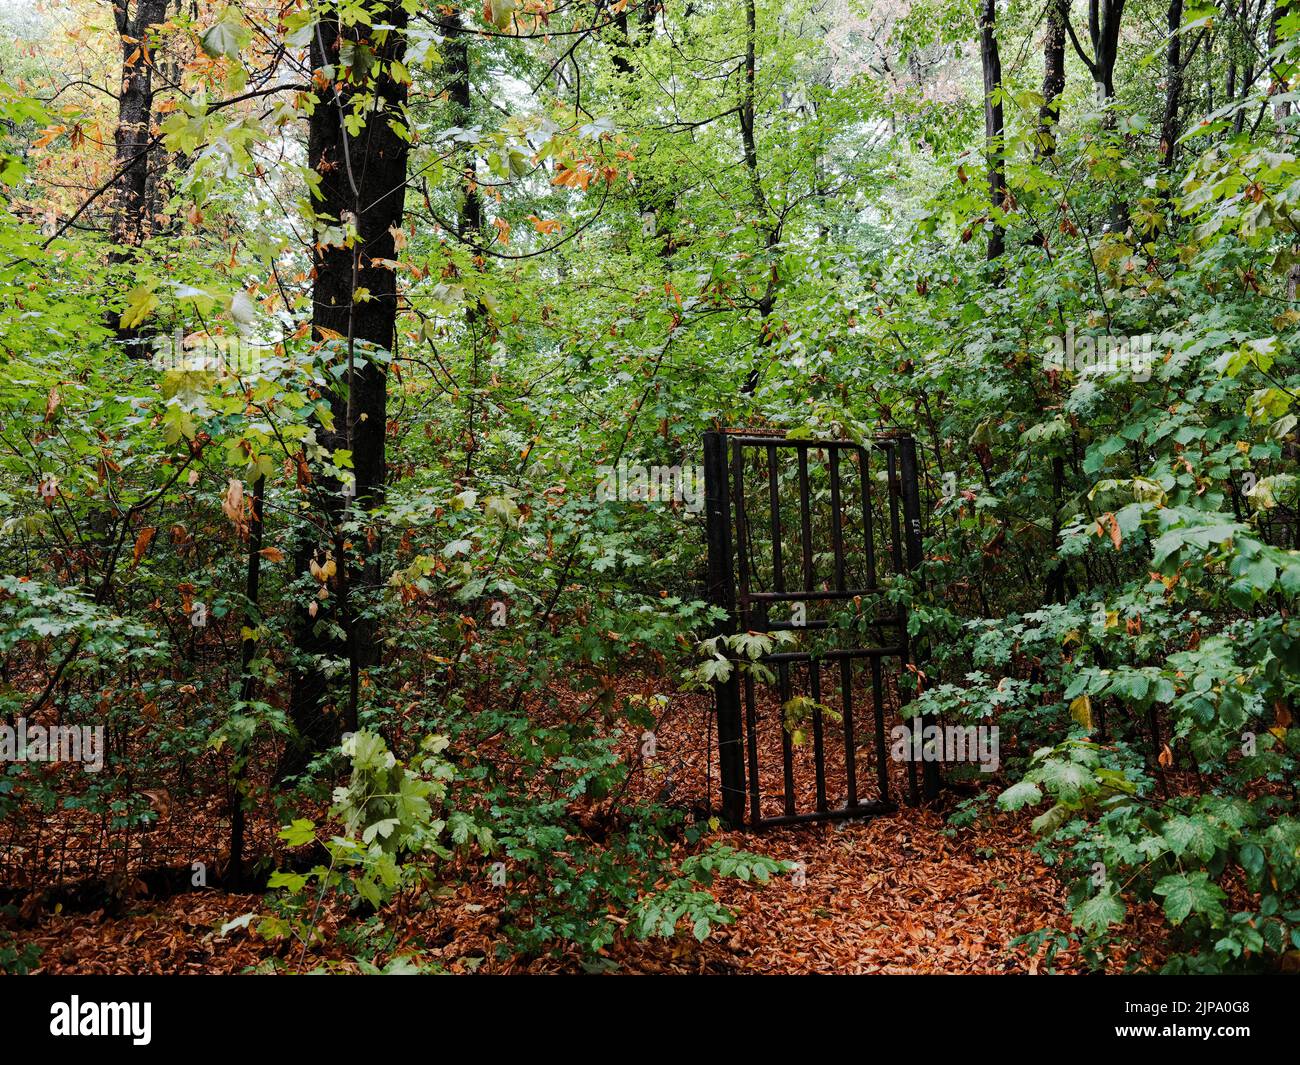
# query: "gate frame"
721, 531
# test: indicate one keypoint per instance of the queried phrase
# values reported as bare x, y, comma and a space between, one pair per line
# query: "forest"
649, 486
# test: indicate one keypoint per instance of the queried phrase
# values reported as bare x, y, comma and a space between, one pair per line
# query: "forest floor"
905, 893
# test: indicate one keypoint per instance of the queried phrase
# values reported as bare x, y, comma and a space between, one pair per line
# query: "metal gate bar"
732, 562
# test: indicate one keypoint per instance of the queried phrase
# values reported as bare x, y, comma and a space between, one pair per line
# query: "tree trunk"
1049, 114
234, 877
362, 184
128, 214
1280, 110
991, 62
1173, 84
469, 221
1104, 17
758, 202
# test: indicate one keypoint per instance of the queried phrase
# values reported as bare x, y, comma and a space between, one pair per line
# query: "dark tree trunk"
991, 62
457, 66
1173, 84
362, 184
1280, 110
768, 228
469, 220
128, 212
1049, 114
234, 877
1104, 17
129, 225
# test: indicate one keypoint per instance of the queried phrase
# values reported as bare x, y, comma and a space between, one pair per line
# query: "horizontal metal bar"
839, 652
803, 596
780, 441
775, 626
862, 809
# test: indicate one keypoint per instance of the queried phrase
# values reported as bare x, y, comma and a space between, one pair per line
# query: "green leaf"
226, 37
298, 832
1026, 793
1188, 893
1100, 911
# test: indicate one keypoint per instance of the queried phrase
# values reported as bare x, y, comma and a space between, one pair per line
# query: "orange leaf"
272, 554
503, 230
142, 543
1107, 520
545, 226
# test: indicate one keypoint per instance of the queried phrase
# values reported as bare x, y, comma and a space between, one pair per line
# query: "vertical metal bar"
846, 695
912, 535
805, 521
837, 529
850, 742
819, 751
751, 727
722, 593
868, 519
774, 503
896, 538
742, 533
911, 500
882, 754
787, 754
805, 542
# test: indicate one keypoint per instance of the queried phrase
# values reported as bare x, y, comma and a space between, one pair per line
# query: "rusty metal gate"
803, 535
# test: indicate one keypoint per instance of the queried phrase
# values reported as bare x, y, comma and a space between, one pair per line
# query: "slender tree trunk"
1230, 41
758, 201
128, 223
1104, 18
1173, 84
362, 185
457, 68
252, 618
1280, 110
128, 212
991, 62
1049, 114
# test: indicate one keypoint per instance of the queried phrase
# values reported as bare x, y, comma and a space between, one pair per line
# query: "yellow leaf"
140, 303
1081, 711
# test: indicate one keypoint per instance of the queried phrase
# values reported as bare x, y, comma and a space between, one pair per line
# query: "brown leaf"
232, 503
142, 543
